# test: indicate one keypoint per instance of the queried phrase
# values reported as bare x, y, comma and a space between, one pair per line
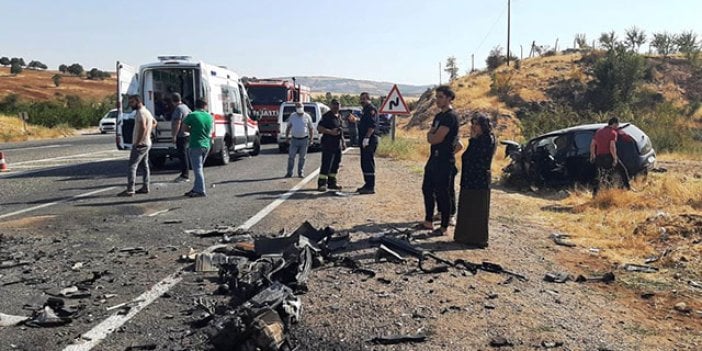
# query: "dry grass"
11, 129
37, 85
608, 221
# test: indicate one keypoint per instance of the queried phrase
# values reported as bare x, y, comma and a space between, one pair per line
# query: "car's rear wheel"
257, 146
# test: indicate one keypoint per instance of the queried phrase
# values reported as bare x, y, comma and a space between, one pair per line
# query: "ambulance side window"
235, 99
226, 103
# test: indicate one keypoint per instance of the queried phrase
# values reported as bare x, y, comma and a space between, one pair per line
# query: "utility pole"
509, 20
472, 63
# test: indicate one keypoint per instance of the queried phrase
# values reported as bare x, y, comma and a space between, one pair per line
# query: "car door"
127, 84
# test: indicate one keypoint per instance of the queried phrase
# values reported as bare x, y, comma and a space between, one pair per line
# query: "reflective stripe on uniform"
369, 174
323, 176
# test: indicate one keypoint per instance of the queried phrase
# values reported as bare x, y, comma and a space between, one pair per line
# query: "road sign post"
395, 105
24, 116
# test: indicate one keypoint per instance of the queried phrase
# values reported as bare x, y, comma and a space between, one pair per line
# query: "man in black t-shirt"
332, 144
441, 166
368, 133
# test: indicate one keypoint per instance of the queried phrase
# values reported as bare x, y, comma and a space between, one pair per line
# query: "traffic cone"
3, 164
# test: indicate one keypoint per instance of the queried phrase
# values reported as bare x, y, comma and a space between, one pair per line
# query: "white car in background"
108, 122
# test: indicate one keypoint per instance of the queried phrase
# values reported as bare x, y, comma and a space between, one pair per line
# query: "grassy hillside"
37, 85
355, 86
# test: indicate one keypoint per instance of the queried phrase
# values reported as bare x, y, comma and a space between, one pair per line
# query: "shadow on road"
133, 200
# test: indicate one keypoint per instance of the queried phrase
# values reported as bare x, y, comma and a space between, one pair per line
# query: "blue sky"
392, 40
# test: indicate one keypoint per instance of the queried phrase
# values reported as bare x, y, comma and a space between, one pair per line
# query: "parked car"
562, 157
107, 123
314, 109
345, 112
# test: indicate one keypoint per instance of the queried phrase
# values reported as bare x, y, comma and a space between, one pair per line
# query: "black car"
562, 157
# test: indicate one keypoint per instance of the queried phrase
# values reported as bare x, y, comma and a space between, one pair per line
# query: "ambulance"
236, 129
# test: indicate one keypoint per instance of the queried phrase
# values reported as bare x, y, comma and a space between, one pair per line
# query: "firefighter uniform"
331, 153
369, 120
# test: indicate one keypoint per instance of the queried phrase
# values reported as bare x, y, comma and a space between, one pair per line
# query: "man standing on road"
367, 130
200, 125
603, 153
180, 137
332, 144
301, 127
144, 122
440, 169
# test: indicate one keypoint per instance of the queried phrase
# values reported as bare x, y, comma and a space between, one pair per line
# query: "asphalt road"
56, 215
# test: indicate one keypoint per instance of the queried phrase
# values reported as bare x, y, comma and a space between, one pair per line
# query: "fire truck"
266, 96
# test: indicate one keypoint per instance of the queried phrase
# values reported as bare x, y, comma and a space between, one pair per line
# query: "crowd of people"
469, 213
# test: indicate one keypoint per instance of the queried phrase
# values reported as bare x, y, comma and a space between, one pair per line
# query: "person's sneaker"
334, 187
288, 175
452, 221
300, 175
142, 191
196, 194
126, 193
365, 191
188, 193
181, 179
322, 188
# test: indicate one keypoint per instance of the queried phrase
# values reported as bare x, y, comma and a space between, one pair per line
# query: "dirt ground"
460, 311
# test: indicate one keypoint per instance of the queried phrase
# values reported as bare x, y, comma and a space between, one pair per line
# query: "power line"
502, 13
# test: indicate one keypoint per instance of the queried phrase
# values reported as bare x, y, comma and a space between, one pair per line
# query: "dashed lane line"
48, 204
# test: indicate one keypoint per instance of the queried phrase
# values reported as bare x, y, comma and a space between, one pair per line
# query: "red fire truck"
266, 96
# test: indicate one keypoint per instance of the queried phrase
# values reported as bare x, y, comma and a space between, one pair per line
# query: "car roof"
593, 127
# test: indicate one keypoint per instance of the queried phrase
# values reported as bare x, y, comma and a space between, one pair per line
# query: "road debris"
682, 308
399, 339
7, 320
560, 277
694, 284
604, 278
500, 342
632, 267
560, 239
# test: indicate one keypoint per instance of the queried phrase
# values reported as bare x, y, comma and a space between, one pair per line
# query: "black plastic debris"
385, 253
631, 267
141, 347
399, 339
604, 278
47, 318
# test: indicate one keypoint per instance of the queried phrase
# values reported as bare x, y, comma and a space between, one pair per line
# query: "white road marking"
30, 209
101, 331
38, 147
47, 168
94, 336
61, 157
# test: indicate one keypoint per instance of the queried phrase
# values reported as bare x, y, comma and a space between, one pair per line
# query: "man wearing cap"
300, 128
332, 144
367, 130
180, 136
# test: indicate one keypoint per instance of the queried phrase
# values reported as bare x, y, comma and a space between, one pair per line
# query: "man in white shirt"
144, 122
300, 127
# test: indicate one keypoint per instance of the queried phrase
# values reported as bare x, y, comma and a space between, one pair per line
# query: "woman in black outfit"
474, 200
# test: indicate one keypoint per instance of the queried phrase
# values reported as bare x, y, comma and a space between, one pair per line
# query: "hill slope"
37, 85
354, 86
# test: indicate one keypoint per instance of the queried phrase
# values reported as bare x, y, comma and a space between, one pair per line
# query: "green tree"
451, 68
617, 75
635, 37
4, 61
495, 58
21, 62
688, 44
36, 65
581, 41
75, 69
63, 68
664, 43
16, 68
608, 40
57, 79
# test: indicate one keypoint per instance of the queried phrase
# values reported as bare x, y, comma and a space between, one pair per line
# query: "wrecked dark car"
562, 157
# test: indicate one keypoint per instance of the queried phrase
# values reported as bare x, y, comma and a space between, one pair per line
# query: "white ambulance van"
235, 132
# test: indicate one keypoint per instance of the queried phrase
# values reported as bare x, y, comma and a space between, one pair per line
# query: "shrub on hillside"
558, 116
617, 76
5, 61
496, 58
16, 68
56, 79
72, 110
